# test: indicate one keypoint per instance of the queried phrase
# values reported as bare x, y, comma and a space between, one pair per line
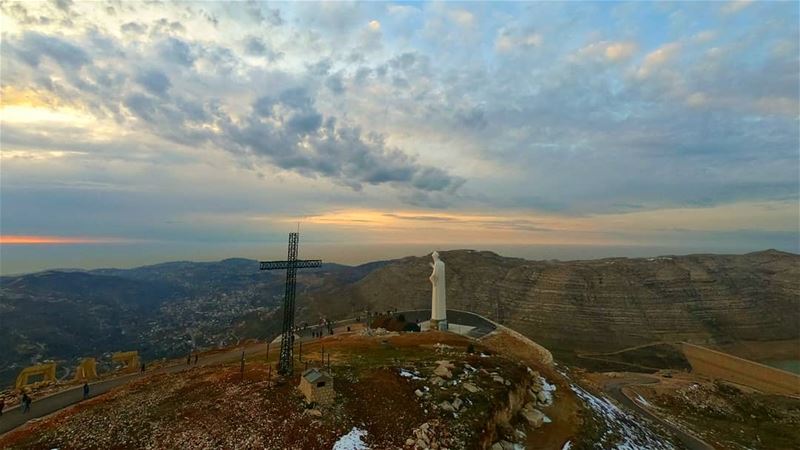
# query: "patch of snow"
547, 391
642, 400
352, 440
567, 445
623, 431
546, 420
409, 374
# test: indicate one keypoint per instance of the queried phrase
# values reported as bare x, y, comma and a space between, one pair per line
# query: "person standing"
85, 391
2, 405
143, 367
26, 403
195, 359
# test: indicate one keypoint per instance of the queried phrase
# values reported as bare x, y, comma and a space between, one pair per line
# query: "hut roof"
313, 375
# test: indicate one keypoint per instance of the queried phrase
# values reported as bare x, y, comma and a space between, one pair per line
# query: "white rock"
446, 364
443, 372
545, 398
534, 417
471, 387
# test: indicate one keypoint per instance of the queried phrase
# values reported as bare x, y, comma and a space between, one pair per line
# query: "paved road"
13, 417
614, 388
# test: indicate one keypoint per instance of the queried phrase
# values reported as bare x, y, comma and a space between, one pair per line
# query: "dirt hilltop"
402, 390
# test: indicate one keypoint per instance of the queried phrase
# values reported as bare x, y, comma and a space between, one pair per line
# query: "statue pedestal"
440, 325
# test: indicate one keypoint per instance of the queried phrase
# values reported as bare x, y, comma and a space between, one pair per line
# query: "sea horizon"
21, 259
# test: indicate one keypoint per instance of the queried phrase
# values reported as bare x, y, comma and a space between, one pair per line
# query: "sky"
136, 133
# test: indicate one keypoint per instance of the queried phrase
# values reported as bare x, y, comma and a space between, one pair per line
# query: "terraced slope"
599, 305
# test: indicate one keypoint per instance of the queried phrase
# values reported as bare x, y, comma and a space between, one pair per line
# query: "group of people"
189, 359
318, 334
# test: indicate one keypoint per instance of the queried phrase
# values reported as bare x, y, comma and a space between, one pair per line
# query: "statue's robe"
438, 300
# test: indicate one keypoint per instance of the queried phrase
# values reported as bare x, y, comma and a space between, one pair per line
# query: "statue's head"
435, 255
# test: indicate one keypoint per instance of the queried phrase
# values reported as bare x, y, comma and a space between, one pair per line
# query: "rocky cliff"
598, 305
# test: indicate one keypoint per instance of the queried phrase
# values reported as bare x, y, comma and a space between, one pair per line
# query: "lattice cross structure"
285, 366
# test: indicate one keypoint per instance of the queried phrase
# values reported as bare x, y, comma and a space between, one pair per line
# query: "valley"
744, 304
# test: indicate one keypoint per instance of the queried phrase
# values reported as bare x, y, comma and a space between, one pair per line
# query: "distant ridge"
603, 304
596, 305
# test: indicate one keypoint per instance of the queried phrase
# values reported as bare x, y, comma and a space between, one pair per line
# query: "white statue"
438, 297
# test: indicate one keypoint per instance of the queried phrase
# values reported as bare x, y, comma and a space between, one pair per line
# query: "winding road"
615, 390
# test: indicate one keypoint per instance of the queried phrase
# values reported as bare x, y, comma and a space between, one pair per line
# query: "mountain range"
601, 305
164, 310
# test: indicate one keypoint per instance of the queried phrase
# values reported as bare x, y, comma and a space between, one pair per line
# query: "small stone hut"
317, 387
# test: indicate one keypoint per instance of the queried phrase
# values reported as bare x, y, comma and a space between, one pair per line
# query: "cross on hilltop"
285, 366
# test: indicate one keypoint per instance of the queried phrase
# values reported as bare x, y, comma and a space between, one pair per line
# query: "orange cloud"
417, 227
17, 239
12, 96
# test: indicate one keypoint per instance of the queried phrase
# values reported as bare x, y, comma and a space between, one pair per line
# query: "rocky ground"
407, 391
727, 416
417, 390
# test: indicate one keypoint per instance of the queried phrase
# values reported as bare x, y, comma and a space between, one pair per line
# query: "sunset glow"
56, 240
207, 128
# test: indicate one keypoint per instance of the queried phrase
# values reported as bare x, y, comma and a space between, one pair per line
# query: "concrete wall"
453, 316
714, 364
483, 326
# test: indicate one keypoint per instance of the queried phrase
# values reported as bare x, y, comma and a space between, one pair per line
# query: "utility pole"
242, 367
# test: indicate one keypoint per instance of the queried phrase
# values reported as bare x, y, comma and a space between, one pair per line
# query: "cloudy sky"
145, 132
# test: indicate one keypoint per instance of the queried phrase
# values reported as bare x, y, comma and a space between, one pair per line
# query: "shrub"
411, 327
